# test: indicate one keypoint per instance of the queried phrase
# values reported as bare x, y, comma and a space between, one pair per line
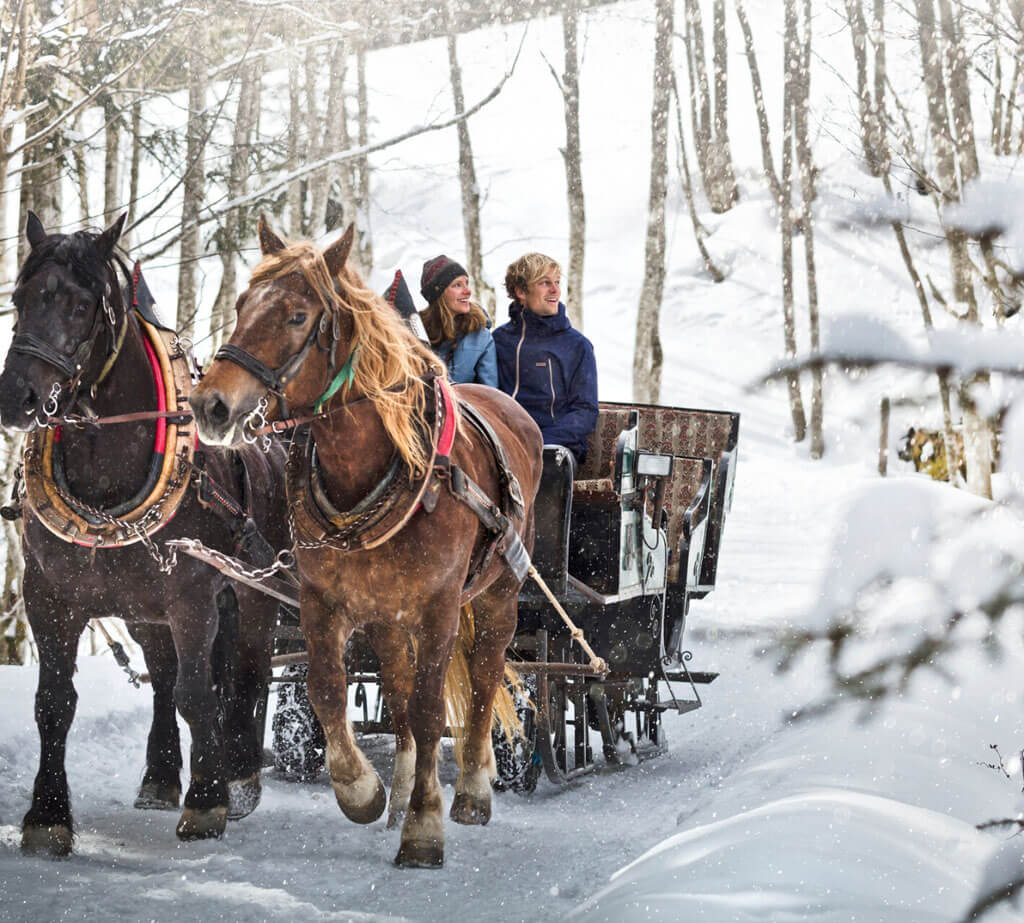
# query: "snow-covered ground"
753, 815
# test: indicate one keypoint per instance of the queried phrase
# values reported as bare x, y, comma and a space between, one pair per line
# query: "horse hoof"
202, 824
469, 810
53, 842
427, 854
362, 810
243, 796
156, 796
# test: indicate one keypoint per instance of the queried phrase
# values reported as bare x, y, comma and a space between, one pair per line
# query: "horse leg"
161, 782
393, 647
47, 828
422, 843
357, 787
254, 615
495, 621
205, 812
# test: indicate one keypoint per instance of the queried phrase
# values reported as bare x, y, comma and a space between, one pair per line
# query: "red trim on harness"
447, 438
161, 397
392, 291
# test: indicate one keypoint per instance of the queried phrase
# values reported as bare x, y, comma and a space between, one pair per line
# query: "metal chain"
284, 561
138, 528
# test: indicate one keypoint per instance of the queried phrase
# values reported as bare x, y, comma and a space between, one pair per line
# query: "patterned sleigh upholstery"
670, 431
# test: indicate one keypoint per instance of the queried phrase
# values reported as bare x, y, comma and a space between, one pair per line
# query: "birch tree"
236, 224
569, 86
955, 161
194, 180
791, 67
647, 351
468, 182
710, 125
872, 131
801, 105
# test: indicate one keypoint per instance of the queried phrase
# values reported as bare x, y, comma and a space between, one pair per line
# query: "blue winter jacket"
471, 359
549, 368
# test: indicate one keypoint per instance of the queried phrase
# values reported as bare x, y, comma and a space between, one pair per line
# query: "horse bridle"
73, 367
276, 380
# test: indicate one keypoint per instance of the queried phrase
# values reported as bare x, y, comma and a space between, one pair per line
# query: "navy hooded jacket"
549, 368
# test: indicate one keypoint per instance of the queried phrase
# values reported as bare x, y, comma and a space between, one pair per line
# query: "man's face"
542, 296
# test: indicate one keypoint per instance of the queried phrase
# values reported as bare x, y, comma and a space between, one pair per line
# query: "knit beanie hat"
438, 274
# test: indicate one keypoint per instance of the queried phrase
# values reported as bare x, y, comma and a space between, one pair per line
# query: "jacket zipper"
551, 380
522, 337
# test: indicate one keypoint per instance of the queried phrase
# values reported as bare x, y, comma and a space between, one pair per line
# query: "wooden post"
883, 438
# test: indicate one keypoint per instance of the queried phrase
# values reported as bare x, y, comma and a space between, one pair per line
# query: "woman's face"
456, 296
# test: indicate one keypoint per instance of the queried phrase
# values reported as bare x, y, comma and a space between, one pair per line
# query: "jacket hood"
552, 323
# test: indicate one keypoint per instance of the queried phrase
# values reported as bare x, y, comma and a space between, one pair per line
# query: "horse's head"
291, 338
68, 306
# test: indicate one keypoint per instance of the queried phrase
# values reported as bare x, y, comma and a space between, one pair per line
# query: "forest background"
199, 116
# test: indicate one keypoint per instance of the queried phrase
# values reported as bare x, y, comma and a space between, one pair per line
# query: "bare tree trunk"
726, 192
234, 232
320, 182
711, 140
365, 232
762, 115
295, 121
192, 189
81, 179
468, 184
791, 59
13, 625
573, 164
801, 103
12, 89
684, 172
647, 355
1006, 147
872, 141
133, 171
947, 146
959, 93
997, 80
111, 159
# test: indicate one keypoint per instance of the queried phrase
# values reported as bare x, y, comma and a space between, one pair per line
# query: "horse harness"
392, 503
378, 517
176, 461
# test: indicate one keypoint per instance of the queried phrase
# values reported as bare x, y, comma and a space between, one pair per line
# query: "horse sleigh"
626, 583
411, 503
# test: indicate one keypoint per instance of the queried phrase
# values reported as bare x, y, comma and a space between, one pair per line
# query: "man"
546, 365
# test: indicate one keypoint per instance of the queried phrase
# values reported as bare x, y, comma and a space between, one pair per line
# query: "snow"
764, 808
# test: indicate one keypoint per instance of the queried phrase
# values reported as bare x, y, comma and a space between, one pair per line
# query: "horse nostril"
30, 403
218, 412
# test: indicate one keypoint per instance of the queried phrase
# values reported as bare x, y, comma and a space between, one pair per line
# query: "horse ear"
269, 241
34, 230
337, 253
106, 242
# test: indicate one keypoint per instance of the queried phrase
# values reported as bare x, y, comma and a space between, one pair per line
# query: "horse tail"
458, 692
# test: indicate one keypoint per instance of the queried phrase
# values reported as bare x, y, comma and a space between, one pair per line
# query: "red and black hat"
438, 274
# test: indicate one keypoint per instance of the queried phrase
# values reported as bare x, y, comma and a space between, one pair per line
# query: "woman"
457, 327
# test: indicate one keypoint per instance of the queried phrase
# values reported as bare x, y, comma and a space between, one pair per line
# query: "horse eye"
296, 320
82, 307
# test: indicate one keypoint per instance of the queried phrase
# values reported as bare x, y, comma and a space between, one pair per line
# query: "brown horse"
79, 346
311, 334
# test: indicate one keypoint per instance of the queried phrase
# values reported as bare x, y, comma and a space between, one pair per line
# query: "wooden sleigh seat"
704, 445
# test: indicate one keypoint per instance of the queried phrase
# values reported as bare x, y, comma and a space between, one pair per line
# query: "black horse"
79, 346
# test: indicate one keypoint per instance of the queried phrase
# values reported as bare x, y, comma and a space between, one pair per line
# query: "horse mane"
390, 360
